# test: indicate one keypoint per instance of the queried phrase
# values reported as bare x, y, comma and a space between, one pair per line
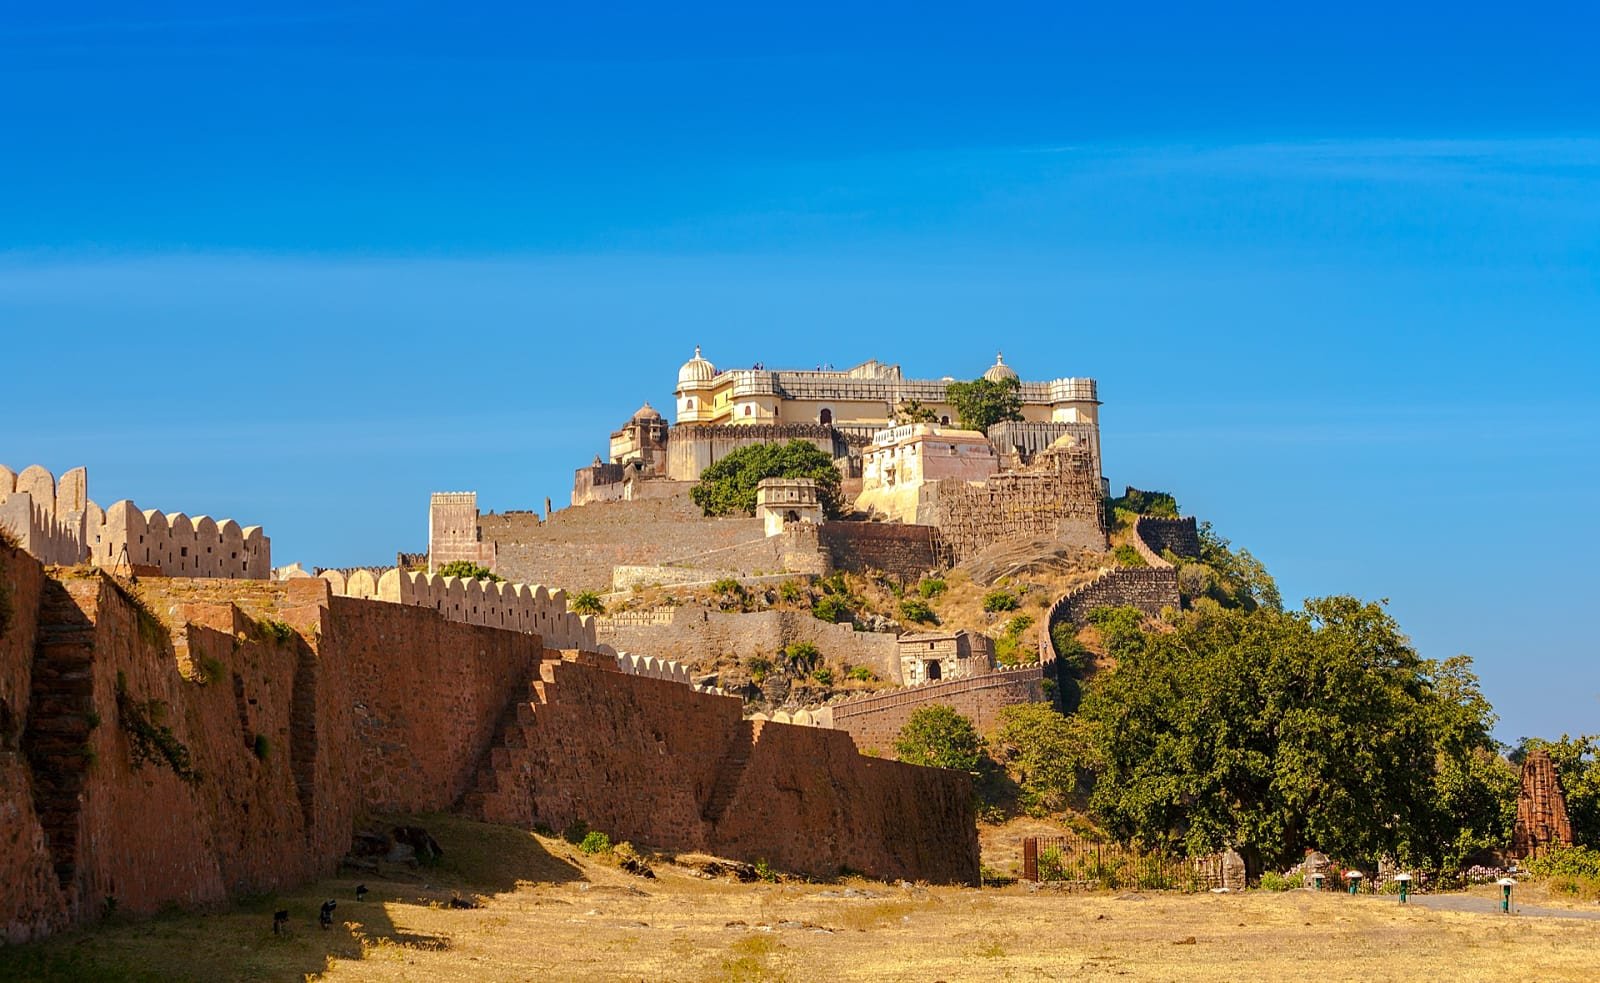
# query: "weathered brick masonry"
654, 762
1058, 496
1149, 588
368, 706
577, 547
695, 635
875, 720
905, 551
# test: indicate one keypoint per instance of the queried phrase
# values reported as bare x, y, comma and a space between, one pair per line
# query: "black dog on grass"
280, 921
326, 917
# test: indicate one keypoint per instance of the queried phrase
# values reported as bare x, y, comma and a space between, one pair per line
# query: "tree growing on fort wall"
467, 570
982, 403
728, 487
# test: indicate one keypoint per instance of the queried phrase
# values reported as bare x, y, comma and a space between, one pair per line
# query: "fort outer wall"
875, 720
363, 706
577, 547
693, 634
653, 762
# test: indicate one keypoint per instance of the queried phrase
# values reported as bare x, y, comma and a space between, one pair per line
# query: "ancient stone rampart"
905, 551
1057, 496
178, 545
653, 762
299, 710
875, 720
578, 547
58, 524
1150, 588
694, 635
48, 520
1155, 535
493, 604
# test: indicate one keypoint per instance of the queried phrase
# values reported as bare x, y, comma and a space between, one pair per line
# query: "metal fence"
1078, 861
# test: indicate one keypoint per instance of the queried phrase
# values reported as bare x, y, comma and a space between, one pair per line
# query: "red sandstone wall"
810, 802
30, 899
654, 762
372, 706
875, 720
427, 695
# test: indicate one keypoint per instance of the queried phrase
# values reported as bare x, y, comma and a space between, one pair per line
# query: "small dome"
696, 370
1000, 371
646, 412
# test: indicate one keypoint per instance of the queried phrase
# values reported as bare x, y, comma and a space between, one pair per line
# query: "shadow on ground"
238, 943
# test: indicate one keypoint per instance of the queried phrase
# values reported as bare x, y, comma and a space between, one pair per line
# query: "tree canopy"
467, 570
1275, 732
982, 403
939, 736
728, 487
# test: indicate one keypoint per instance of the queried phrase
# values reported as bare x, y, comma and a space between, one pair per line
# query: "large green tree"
982, 403
1045, 750
939, 736
728, 487
1274, 732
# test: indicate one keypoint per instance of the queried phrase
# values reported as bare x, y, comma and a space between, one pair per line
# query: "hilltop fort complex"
180, 723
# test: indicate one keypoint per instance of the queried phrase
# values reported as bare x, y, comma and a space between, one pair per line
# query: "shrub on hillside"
916, 610
831, 607
1000, 600
1127, 556
595, 842
931, 587
823, 675
801, 656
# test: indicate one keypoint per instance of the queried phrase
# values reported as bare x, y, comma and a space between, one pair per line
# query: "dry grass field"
547, 913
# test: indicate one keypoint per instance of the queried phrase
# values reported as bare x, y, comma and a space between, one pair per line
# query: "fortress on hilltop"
839, 411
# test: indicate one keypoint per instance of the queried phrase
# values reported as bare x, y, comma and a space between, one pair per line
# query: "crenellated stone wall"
493, 604
300, 709
875, 720
1150, 588
58, 524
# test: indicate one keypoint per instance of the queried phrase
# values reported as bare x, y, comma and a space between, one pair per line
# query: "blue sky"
1338, 273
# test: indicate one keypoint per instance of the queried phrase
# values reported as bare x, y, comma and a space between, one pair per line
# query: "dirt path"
1489, 906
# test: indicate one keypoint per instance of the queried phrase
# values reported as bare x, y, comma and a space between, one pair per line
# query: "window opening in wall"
183, 551
933, 670
825, 417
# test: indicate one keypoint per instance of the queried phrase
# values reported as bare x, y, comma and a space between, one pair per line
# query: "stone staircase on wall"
493, 796
731, 772
60, 719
